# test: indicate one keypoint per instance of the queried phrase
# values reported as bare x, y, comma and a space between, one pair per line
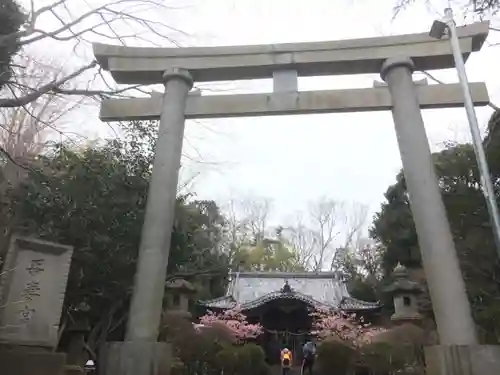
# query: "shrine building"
281, 303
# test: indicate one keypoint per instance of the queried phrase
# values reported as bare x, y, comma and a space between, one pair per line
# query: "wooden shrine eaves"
305, 102
144, 65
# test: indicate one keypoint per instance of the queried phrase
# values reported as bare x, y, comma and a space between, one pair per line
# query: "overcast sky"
293, 160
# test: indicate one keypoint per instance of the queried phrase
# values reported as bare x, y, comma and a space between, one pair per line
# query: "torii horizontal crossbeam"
306, 102
143, 65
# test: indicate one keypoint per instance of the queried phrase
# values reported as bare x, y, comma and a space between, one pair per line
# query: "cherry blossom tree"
235, 321
347, 327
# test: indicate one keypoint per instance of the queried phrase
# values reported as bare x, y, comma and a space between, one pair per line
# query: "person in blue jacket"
309, 354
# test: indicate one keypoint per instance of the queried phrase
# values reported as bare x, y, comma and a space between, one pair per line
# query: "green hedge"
335, 357
395, 350
210, 351
248, 359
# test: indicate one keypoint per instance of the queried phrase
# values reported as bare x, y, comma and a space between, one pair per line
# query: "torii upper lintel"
144, 65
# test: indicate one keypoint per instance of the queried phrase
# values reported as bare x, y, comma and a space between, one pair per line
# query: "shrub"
174, 326
251, 360
195, 352
210, 350
379, 359
222, 333
227, 360
394, 350
335, 357
248, 359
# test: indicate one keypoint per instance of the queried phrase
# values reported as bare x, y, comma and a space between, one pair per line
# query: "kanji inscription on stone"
35, 266
31, 290
32, 287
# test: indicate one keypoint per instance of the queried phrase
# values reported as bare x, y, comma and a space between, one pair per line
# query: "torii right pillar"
459, 352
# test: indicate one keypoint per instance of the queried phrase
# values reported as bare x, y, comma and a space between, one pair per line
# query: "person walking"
309, 353
286, 361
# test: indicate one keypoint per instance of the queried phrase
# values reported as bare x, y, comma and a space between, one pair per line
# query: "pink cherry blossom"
235, 321
328, 323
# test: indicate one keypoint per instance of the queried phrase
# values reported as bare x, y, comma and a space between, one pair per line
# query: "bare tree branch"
303, 241
479, 7
324, 216
32, 33
321, 235
77, 22
23, 128
51, 86
246, 225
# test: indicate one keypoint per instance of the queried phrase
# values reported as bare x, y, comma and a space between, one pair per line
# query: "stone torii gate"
394, 57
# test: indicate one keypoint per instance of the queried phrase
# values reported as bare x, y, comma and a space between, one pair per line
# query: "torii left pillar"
141, 354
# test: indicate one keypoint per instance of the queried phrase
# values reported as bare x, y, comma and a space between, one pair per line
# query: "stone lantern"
404, 293
76, 331
179, 293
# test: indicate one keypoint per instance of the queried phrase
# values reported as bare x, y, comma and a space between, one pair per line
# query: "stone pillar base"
24, 361
136, 358
462, 360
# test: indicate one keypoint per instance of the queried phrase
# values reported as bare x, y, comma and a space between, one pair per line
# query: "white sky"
294, 160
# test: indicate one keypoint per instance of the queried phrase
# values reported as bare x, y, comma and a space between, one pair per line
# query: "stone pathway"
276, 370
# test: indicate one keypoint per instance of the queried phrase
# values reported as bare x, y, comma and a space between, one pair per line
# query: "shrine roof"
252, 289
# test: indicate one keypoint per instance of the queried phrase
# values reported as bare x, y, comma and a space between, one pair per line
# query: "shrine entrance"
286, 323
